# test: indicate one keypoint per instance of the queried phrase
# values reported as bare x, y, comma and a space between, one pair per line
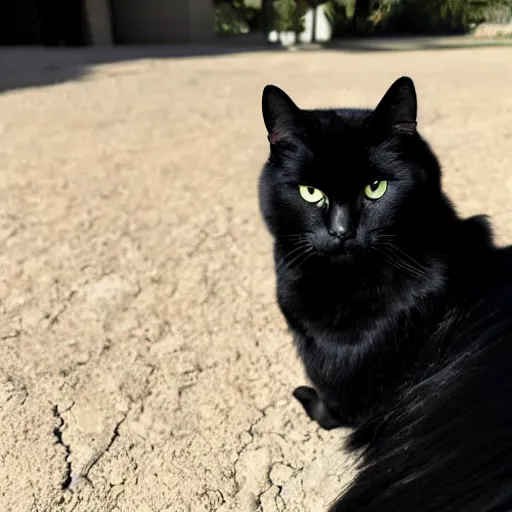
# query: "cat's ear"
283, 119
398, 108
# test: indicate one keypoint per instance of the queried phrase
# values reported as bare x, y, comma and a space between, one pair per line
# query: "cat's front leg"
316, 408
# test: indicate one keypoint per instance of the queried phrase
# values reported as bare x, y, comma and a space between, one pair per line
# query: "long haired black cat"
401, 310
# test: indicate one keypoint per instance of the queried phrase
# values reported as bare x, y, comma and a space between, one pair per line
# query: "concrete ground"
144, 365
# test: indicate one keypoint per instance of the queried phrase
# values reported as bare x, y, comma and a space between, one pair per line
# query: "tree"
362, 11
266, 16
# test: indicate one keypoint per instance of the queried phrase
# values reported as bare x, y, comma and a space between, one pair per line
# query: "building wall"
43, 22
99, 21
201, 16
162, 21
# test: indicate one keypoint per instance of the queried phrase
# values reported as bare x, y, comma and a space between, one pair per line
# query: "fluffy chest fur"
358, 333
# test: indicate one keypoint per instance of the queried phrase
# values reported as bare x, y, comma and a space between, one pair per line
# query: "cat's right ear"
283, 119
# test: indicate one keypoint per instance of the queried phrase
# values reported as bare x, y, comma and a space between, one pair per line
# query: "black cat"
401, 311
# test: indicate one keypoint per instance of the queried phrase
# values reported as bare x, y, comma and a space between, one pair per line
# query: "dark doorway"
63, 22
19, 22
46, 22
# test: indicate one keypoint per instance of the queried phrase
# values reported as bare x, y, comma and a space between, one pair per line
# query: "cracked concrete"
145, 366
57, 432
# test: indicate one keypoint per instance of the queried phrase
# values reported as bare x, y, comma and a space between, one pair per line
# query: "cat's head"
338, 182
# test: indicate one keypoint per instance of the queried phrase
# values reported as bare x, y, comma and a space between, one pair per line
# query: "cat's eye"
313, 195
376, 189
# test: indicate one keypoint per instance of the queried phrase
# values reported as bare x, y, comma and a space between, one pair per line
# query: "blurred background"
86, 22
145, 366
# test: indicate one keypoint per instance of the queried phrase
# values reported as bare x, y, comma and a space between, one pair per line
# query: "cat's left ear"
398, 108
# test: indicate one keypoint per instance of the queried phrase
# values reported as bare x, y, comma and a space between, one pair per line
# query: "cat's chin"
342, 255
341, 258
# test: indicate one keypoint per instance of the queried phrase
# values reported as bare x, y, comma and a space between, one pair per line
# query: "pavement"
144, 364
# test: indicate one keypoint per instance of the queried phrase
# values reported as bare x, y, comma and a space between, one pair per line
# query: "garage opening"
44, 22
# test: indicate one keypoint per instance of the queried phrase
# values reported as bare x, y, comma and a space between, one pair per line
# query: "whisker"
421, 271
387, 238
294, 251
403, 253
399, 264
308, 256
297, 258
293, 236
399, 256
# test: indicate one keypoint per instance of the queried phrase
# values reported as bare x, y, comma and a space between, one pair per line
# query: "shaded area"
43, 22
32, 67
415, 43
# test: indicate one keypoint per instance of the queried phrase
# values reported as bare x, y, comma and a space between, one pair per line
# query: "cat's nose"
340, 223
339, 232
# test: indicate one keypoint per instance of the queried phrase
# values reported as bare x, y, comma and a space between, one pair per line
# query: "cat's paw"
305, 395
315, 408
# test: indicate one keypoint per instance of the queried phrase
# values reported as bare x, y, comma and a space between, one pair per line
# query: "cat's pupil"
374, 186
311, 190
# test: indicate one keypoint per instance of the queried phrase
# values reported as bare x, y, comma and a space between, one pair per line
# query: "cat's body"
401, 311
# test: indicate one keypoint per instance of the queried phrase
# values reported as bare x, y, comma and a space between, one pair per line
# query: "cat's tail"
447, 445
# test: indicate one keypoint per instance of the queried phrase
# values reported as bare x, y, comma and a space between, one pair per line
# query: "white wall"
323, 29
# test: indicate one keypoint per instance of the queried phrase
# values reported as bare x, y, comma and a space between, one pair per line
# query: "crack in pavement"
57, 432
55, 317
83, 474
12, 335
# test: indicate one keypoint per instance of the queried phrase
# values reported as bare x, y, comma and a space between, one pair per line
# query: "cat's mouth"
342, 252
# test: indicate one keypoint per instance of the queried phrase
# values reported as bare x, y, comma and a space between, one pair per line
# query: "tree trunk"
266, 16
361, 14
297, 21
313, 25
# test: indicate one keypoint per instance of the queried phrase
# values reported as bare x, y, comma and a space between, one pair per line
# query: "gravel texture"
145, 366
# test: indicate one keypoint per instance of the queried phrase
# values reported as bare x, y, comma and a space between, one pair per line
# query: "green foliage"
338, 18
384, 16
283, 15
235, 17
424, 16
289, 15
301, 8
462, 12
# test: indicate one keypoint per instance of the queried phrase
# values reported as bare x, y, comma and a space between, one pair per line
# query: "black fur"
401, 311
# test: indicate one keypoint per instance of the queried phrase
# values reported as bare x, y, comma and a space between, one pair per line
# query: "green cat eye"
313, 195
376, 189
